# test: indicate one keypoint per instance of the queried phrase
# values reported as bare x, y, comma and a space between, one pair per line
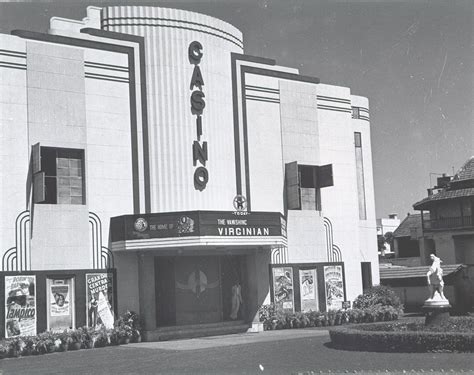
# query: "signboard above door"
198, 224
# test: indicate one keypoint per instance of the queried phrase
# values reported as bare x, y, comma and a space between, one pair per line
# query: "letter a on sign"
196, 79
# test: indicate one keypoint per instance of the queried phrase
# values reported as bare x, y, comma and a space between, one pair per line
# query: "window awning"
189, 229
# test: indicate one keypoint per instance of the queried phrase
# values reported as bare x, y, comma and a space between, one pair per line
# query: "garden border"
353, 337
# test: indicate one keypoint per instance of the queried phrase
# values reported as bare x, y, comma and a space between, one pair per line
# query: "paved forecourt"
304, 351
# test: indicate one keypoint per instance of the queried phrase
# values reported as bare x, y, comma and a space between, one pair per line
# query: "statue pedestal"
436, 310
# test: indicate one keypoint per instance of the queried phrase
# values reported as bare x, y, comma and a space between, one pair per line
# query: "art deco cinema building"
148, 164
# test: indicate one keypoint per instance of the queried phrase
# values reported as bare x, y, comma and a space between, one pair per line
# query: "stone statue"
435, 278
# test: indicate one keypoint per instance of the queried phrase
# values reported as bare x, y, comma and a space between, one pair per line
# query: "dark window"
307, 176
366, 270
63, 171
360, 175
303, 184
407, 247
355, 112
358, 139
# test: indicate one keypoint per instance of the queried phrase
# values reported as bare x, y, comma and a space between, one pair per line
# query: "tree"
381, 243
389, 239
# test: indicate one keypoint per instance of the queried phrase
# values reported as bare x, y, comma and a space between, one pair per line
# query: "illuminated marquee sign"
201, 175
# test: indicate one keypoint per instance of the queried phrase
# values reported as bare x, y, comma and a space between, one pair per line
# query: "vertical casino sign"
201, 174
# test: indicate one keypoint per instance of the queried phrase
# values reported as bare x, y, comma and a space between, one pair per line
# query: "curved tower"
190, 150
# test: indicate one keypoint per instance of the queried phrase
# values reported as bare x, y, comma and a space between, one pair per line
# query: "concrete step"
202, 325
195, 330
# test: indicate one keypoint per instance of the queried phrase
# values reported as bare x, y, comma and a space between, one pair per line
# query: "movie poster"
333, 280
20, 306
100, 300
309, 290
283, 288
60, 300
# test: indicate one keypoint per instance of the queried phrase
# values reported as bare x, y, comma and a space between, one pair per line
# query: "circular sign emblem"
141, 224
185, 225
240, 203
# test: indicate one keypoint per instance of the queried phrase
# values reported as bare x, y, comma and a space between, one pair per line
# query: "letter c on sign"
195, 53
201, 177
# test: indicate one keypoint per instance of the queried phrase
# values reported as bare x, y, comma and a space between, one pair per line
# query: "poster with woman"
60, 298
283, 295
333, 280
309, 290
20, 306
99, 299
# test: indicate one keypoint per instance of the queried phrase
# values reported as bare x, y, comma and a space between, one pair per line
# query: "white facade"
119, 89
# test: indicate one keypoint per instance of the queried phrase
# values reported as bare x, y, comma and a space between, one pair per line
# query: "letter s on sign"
197, 102
195, 53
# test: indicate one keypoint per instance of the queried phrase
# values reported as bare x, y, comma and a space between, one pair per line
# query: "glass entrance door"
60, 304
198, 290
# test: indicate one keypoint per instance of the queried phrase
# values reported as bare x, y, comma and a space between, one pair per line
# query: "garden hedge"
126, 328
401, 337
276, 318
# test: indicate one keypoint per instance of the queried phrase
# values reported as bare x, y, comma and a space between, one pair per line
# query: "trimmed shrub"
273, 318
127, 327
378, 295
405, 337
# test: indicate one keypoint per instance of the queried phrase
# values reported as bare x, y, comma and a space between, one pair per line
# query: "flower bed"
273, 318
126, 329
457, 335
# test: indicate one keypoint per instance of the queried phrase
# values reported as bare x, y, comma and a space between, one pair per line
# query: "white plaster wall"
63, 26
387, 225
56, 103
14, 150
300, 142
109, 155
340, 202
367, 228
266, 170
60, 237
56, 118
306, 237
299, 118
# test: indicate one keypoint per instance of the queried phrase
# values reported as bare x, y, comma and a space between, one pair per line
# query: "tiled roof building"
445, 227
461, 185
449, 230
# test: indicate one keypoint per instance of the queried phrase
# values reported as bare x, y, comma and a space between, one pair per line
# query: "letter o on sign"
201, 177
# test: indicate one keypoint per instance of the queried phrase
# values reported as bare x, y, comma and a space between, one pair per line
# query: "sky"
412, 59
